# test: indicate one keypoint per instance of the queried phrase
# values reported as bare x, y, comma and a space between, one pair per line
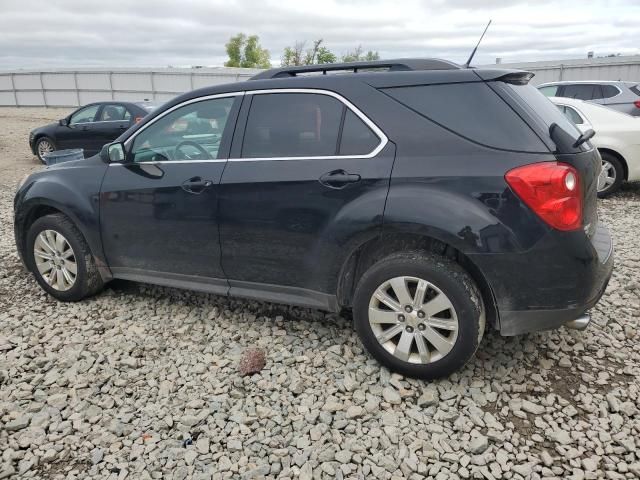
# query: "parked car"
90, 127
428, 198
617, 139
621, 96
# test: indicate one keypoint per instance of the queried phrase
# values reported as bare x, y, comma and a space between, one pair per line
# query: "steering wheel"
184, 156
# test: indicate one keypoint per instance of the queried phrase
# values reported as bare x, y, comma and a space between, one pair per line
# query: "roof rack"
397, 65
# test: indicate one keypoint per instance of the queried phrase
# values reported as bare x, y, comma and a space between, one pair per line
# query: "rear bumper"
552, 284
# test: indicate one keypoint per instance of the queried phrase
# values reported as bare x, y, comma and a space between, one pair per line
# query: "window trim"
376, 130
580, 114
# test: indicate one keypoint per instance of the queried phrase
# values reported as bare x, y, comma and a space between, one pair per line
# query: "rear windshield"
635, 89
472, 110
542, 112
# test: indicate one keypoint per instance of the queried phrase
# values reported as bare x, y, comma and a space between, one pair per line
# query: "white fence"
66, 88
607, 68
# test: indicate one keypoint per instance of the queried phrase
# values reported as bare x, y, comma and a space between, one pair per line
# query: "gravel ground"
142, 382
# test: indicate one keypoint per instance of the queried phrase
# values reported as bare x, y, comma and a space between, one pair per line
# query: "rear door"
112, 120
308, 173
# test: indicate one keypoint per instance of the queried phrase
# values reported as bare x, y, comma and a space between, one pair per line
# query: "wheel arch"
368, 253
617, 155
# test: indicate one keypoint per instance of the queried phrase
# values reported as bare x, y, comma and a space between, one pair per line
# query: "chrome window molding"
163, 162
376, 130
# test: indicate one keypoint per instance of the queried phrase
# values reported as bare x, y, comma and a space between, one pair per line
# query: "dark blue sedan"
89, 127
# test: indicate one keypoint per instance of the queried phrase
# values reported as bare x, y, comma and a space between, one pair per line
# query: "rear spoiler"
514, 77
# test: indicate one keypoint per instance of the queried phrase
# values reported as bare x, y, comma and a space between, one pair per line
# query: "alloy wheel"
607, 176
44, 147
55, 260
413, 320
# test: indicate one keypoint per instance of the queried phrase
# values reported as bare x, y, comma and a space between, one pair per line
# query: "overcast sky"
74, 33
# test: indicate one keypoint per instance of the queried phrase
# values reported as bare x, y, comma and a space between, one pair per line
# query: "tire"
611, 165
41, 143
442, 277
86, 280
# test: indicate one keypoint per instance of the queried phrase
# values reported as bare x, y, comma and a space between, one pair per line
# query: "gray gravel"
142, 382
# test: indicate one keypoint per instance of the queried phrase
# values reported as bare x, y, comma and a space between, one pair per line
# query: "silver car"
621, 96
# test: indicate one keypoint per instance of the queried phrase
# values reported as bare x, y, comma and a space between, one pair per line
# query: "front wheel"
419, 314
60, 259
44, 145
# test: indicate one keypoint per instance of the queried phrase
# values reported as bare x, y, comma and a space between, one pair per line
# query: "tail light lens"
138, 119
637, 103
552, 190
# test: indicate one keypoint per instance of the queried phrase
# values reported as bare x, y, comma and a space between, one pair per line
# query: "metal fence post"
111, 85
153, 87
75, 81
44, 94
191, 80
561, 72
13, 87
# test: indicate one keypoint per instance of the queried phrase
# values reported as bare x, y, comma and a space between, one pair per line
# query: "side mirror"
113, 153
63, 122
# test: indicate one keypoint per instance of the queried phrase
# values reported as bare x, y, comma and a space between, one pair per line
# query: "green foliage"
357, 55
246, 52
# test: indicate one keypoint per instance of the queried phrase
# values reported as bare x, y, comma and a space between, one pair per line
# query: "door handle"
338, 179
196, 185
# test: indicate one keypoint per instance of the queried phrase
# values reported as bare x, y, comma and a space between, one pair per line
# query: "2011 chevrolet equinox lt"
426, 197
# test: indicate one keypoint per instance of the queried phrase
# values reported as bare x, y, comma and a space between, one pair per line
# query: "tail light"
138, 119
637, 103
552, 190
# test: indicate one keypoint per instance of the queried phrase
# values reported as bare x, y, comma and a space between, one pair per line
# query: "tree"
246, 52
297, 55
357, 55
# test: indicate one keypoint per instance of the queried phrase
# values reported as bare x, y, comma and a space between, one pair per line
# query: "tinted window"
84, 115
292, 125
609, 91
357, 138
549, 91
112, 113
192, 132
581, 91
474, 111
542, 113
635, 89
571, 114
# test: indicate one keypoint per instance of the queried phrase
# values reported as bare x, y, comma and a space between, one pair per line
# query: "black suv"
427, 198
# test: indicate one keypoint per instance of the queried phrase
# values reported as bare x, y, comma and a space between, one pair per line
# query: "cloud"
73, 33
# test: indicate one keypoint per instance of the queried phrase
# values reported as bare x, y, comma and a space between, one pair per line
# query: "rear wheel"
44, 145
611, 175
60, 259
419, 314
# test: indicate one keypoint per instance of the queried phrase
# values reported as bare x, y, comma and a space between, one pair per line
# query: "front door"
158, 209
311, 175
78, 133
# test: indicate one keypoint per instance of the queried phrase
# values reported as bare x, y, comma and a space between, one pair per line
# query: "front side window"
549, 91
292, 125
111, 113
191, 132
84, 115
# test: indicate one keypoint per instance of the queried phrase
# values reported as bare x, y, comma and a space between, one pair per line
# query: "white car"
617, 139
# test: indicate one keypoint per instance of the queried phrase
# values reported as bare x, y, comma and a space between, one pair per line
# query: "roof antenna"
466, 65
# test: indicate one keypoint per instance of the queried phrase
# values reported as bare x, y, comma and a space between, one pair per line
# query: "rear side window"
635, 89
292, 125
357, 138
571, 114
609, 91
582, 91
473, 111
